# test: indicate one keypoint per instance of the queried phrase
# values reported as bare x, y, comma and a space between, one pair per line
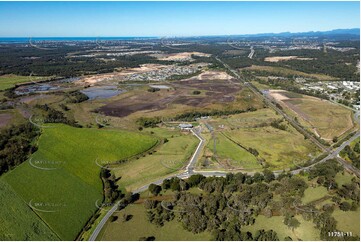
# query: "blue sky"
100, 19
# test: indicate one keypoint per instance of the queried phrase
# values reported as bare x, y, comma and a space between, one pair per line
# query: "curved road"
197, 132
190, 171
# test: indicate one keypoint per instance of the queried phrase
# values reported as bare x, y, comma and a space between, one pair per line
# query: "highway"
251, 53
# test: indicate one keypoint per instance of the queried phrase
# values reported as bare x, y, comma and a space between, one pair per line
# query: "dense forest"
16, 144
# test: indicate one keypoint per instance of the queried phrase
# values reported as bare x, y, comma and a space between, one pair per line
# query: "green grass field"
139, 226
71, 189
279, 148
239, 157
168, 158
17, 220
312, 194
8, 81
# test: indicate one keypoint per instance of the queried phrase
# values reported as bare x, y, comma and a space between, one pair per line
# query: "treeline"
148, 122
191, 116
17, 59
111, 190
76, 97
55, 116
16, 145
332, 63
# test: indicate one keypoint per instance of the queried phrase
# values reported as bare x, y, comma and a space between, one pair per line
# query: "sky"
108, 19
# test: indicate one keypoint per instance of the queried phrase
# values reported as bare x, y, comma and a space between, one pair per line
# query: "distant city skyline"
85, 19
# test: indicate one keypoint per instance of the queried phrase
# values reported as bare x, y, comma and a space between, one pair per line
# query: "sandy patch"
91, 80
277, 94
285, 58
183, 56
213, 75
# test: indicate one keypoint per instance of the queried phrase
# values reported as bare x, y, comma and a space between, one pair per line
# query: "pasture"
61, 180
324, 118
231, 155
166, 159
138, 226
313, 194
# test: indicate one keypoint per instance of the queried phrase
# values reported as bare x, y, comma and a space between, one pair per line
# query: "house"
185, 126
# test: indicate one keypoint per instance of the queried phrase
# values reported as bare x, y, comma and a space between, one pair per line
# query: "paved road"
190, 167
193, 160
251, 53
188, 172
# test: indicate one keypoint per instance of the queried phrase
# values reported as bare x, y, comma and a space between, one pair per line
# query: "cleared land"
279, 148
284, 58
218, 91
72, 185
182, 56
326, 119
230, 155
167, 158
138, 226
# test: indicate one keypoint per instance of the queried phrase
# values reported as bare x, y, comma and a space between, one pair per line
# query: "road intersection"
190, 168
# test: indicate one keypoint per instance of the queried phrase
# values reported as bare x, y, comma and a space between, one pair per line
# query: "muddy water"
57, 85
102, 92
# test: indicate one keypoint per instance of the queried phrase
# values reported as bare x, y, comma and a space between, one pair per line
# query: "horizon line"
182, 36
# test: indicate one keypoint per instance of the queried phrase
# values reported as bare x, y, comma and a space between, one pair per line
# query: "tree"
126, 217
268, 176
113, 218
334, 139
154, 189
291, 222
194, 180
345, 206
